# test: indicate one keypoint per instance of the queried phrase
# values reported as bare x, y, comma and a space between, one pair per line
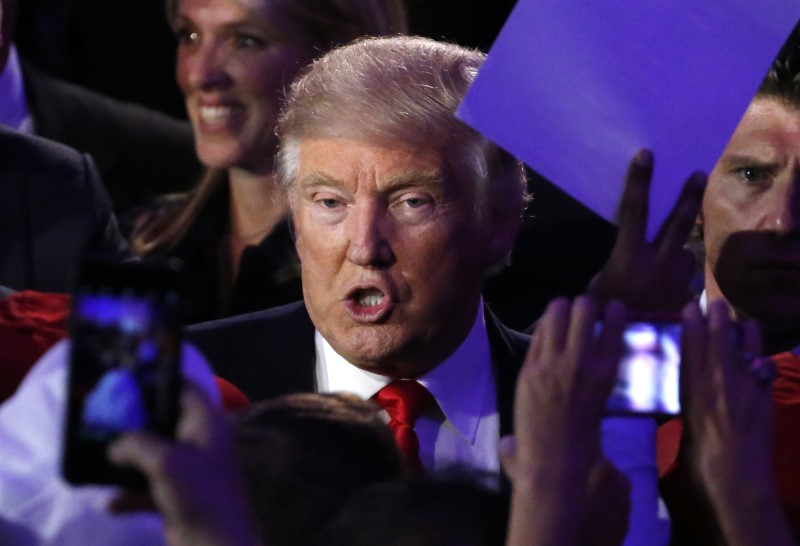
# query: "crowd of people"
346, 382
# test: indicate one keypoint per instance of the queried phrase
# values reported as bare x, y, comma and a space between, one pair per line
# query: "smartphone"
124, 368
647, 380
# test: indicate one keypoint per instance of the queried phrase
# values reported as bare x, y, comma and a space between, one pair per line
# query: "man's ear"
500, 234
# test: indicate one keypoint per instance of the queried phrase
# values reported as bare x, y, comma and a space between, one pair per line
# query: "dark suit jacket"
52, 208
140, 152
271, 353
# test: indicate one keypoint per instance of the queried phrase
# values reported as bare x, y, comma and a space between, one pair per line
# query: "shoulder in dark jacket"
53, 209
139, 152
265, 353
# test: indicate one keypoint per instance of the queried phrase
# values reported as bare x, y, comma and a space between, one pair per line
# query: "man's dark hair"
783, 79
305, 454
450, 509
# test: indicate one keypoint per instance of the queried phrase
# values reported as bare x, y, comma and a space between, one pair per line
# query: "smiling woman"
235, 58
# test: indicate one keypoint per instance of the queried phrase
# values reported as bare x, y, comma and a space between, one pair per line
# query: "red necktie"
405, 401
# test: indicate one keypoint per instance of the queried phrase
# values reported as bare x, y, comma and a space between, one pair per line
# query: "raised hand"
559, 475
650, 276
196, 481
727, 404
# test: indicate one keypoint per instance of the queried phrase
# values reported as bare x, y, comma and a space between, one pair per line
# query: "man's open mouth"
369, 304
369, 297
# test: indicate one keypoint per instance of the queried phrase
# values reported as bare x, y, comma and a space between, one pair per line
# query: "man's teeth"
369, 300
214, 114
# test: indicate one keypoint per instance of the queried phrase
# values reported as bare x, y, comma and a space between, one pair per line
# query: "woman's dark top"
269, 273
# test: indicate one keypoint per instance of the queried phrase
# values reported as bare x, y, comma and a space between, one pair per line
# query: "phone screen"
647, 381
124, 365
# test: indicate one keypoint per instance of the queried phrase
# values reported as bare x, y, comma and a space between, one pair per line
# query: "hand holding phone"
124, 375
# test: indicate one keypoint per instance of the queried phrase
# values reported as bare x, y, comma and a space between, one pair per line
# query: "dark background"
125, 49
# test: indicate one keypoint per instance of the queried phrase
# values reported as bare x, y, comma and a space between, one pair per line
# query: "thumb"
507, 453
141, 450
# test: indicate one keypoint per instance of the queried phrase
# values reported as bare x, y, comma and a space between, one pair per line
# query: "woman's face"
232, 70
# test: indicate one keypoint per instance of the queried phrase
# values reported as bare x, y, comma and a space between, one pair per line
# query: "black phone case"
124, 369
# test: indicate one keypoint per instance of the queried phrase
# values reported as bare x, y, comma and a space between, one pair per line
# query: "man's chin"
371, 348
383, 356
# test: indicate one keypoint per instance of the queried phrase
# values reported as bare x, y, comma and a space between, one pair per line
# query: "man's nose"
206, 68
367, 236
784, 217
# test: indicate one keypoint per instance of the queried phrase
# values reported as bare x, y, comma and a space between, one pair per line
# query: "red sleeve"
30, 323
232, 398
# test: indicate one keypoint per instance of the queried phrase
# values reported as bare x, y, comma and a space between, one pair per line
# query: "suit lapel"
300, 374
17, 243
508, 348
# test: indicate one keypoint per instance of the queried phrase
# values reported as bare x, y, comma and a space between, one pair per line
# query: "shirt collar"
13, 108
459, 384
703, 303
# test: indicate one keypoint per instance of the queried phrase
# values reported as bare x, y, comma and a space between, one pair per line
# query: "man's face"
392, 256
751, 216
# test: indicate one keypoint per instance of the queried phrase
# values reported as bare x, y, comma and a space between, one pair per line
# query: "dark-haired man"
751, 210
750, 225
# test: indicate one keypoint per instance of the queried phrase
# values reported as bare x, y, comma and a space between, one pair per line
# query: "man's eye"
415, 201
247, 41
330, 203
753, 174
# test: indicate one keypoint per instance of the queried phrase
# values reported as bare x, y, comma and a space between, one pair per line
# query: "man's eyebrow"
417, 179
403, 179
743, 160
318, 179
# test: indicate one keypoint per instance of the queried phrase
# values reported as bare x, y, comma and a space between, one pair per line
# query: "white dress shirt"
467, 430
13, 107
37, 507
464, 387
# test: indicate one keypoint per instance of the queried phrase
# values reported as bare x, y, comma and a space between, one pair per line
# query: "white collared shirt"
13, 108
464, 387
37, 506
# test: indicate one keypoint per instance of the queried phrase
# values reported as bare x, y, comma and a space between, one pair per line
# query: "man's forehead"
768, 115
342, 160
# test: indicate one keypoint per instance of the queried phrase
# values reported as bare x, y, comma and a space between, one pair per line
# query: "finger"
610, 345
507, 453
608, 503
141, 450
580, 333
723, 341
201, 421
634, 205
555, 334
535, 348
131, 501
693, 375
674, 232
604, 476
751, 338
